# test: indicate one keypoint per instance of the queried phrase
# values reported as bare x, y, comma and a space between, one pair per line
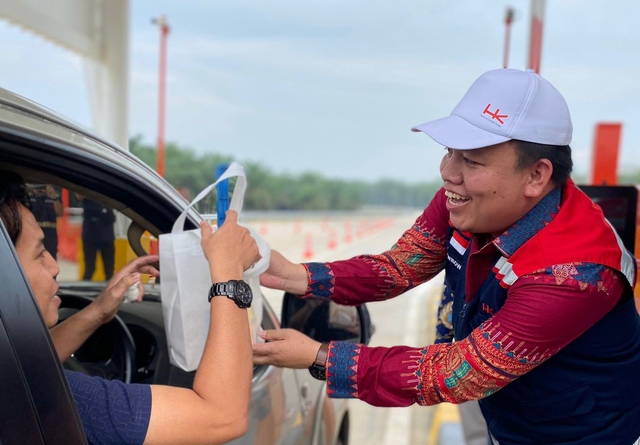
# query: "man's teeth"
452, 195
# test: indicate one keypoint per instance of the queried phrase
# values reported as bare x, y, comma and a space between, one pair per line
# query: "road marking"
445, 413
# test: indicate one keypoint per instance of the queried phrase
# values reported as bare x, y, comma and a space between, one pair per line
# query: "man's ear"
539, 178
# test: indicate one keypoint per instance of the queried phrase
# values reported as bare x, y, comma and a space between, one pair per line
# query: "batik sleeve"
417, 257
530, 328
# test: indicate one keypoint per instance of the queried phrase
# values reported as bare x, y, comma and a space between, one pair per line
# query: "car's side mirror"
325, 321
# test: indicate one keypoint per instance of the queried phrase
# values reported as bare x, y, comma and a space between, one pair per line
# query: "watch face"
243, 293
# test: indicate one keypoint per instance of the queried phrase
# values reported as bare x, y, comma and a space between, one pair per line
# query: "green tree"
270, 191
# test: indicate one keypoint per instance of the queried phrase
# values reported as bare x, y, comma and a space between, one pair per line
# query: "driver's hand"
108, 302
285, 348
230, 250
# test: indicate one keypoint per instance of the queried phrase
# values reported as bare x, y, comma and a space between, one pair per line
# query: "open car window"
86, 233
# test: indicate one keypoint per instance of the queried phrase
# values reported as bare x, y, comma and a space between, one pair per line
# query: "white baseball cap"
502, 105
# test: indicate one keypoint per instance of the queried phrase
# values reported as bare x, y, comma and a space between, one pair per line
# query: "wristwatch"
236, 290
319, 368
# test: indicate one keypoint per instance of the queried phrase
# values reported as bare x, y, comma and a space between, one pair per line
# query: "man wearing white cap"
538, 286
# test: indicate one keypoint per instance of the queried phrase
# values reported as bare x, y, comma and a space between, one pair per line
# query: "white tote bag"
186, 281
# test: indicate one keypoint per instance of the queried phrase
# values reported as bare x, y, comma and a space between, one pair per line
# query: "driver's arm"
216, 410
69, 335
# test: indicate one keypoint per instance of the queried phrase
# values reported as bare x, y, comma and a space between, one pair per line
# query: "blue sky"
335, 86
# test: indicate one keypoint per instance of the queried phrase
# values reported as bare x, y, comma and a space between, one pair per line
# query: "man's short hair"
12, 193
528, 153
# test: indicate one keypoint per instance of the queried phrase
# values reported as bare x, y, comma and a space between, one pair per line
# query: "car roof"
23, 116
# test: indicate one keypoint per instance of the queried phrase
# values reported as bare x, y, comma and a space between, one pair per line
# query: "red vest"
578, 233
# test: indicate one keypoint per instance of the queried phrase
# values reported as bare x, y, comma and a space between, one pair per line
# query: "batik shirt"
538, 318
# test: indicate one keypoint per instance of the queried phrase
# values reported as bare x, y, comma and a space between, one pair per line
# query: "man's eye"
470, 162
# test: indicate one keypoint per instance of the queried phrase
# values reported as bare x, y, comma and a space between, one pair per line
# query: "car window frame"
87, 173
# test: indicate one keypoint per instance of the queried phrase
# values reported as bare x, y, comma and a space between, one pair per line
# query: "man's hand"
285, 275
108, 302
51, 193
230, 250
69, 335
285, 348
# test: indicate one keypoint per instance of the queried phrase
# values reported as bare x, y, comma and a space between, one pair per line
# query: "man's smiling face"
40, 267
486, 192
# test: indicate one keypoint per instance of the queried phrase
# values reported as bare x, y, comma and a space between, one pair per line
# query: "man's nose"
450, 168
52, 265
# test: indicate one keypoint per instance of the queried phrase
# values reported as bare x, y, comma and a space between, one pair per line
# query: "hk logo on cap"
495, 115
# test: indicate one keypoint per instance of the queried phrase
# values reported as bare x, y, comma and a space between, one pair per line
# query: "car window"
87, 236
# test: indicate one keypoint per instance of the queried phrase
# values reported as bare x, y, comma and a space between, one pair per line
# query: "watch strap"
319, 368
236, 290
321, 356
227, 288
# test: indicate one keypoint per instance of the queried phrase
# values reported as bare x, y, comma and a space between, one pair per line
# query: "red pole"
606, 147
535, 41
507, 37
164, 31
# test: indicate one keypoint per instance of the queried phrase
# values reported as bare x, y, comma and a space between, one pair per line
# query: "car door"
324, 321
275, 417
36, 405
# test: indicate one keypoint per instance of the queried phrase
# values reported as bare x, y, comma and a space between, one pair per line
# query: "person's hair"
13, 192
528, 153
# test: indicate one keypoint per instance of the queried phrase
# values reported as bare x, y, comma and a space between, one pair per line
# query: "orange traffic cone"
297, 227
307, 253
264, 229
332, 244
347, 232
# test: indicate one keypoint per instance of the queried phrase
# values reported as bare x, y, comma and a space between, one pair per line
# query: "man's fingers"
130, 280
120, 288
231, 216
141, 290
278, 334
205, 229
265, 349
260, 360
150, 270
147, 259
138, 263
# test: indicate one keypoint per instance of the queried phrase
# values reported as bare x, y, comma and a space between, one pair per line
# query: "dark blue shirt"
111, 412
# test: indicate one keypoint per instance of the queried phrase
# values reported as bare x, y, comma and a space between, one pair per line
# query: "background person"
97, 236
538, 290
46, 207
216, 410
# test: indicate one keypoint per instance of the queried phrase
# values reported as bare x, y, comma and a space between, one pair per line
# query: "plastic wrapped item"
132, 293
